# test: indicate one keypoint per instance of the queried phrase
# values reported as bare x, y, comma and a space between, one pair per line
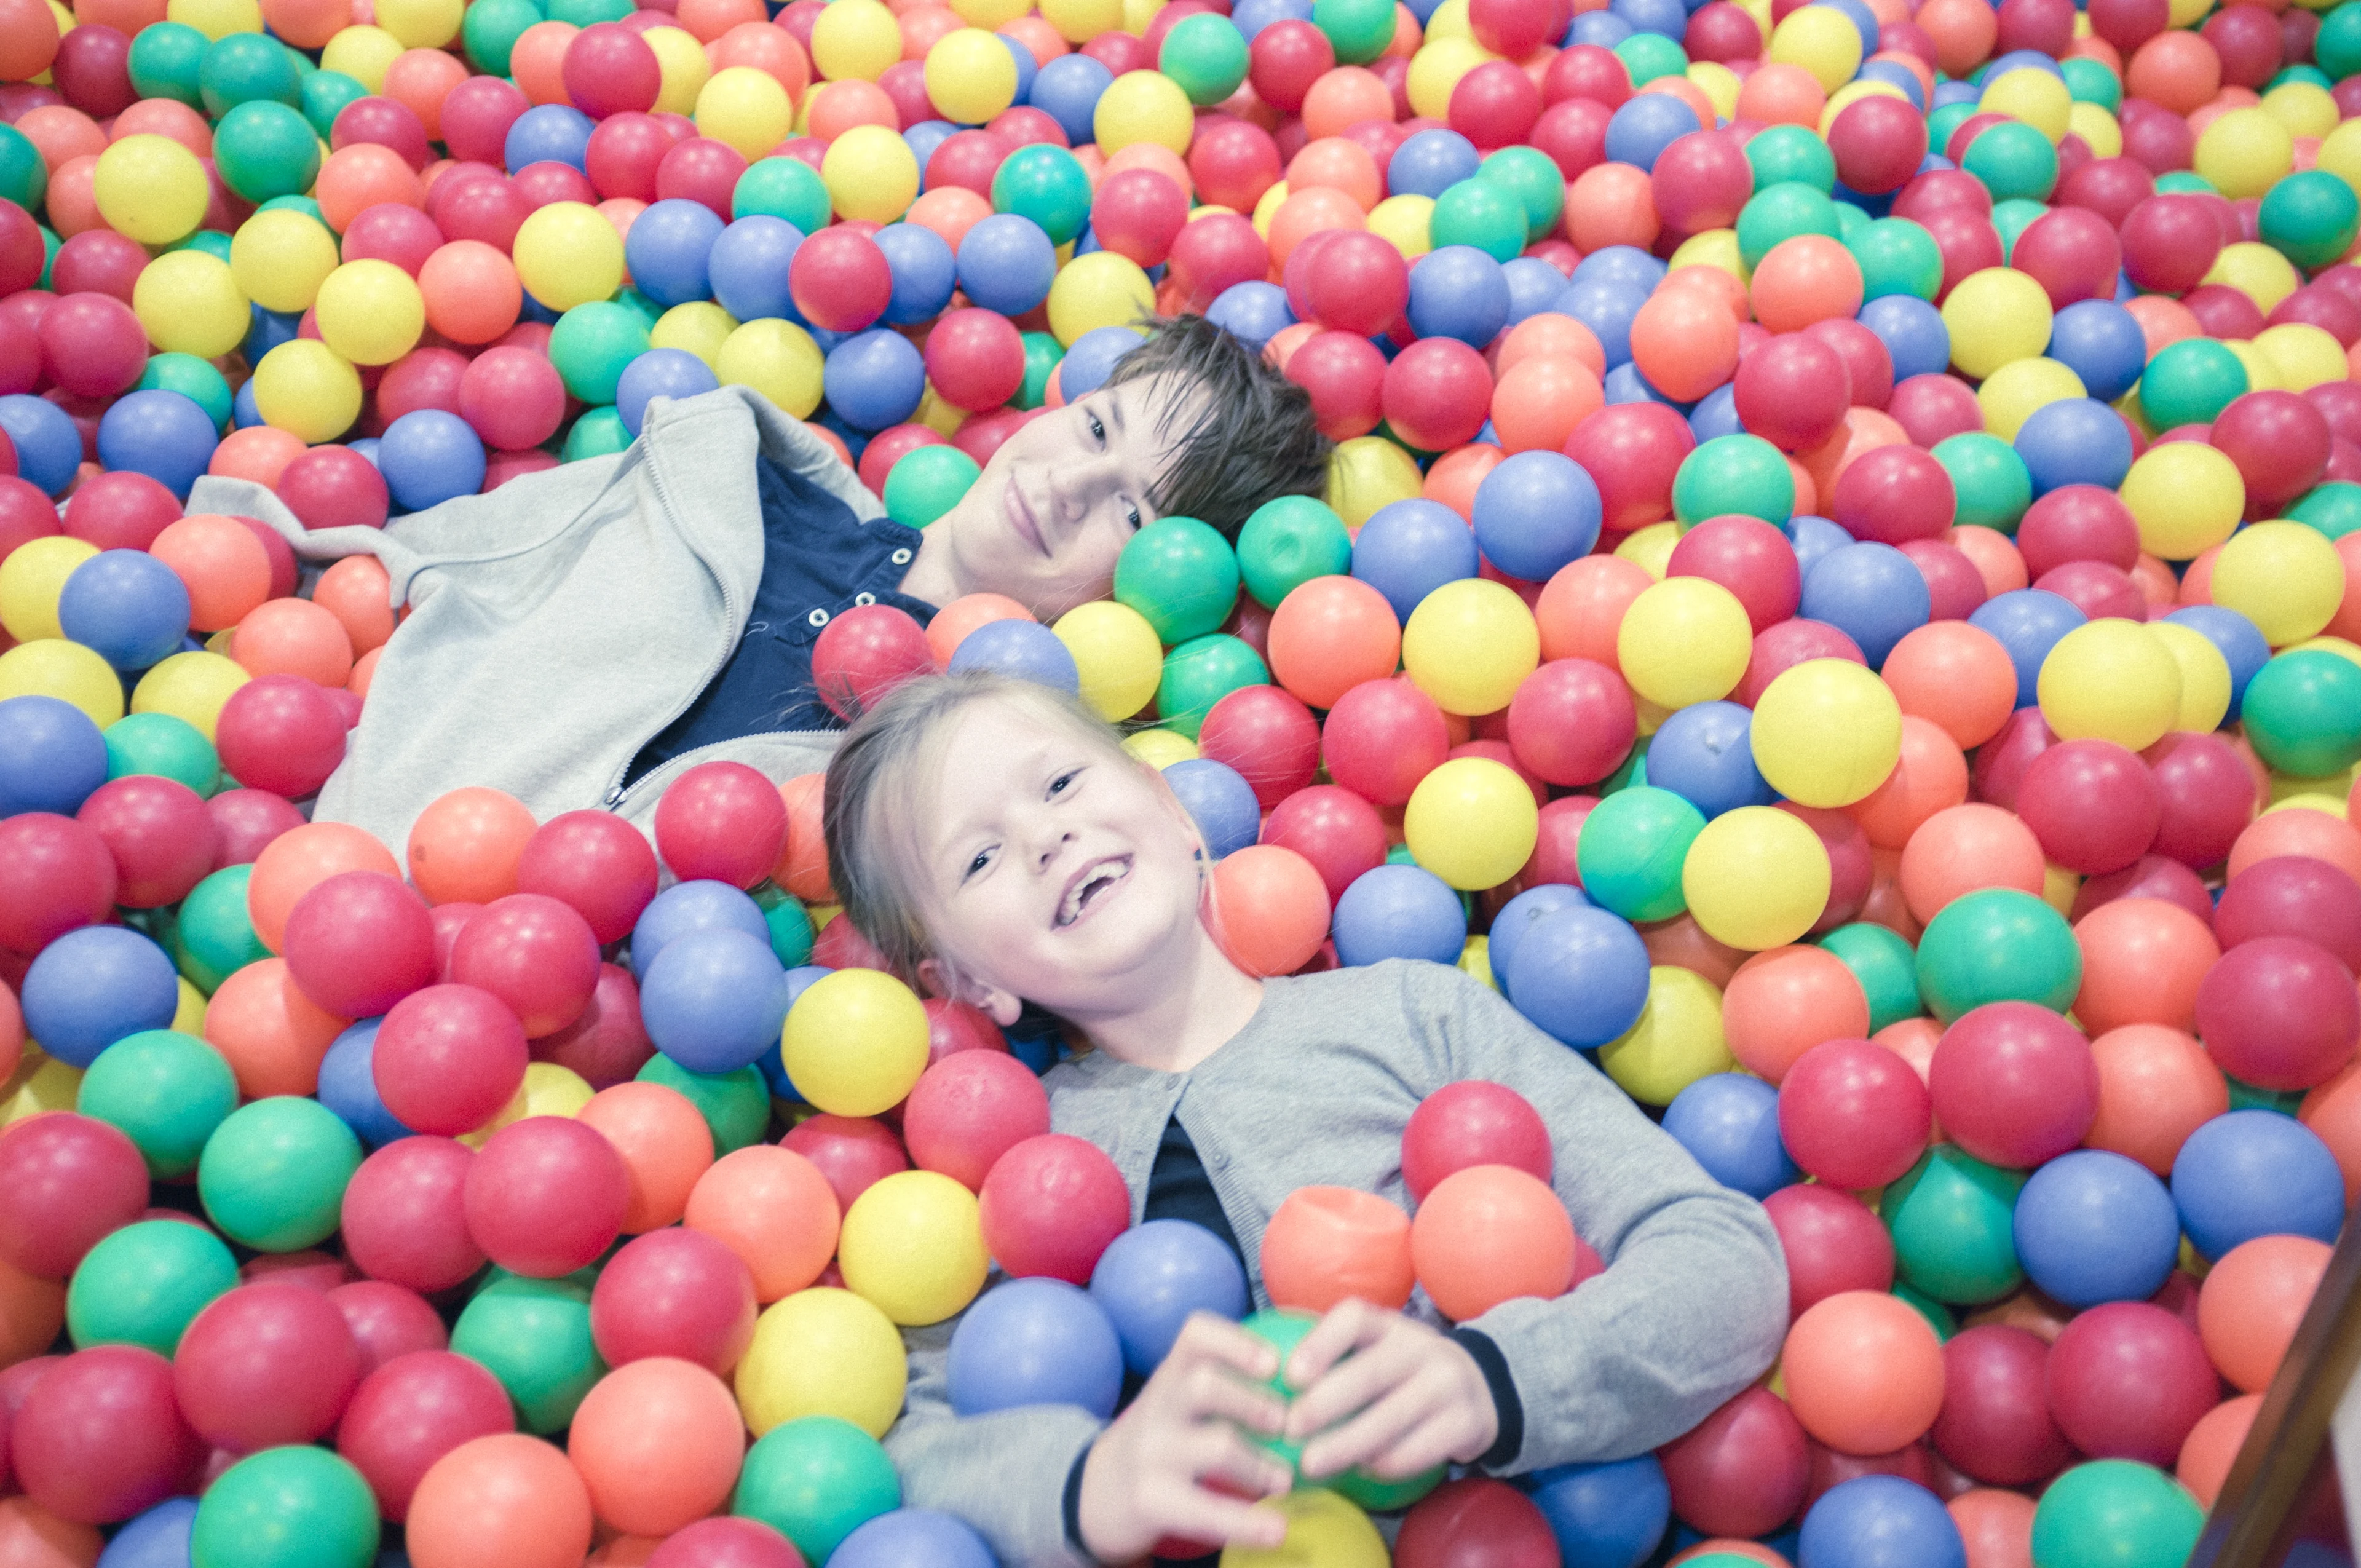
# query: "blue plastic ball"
1252, 313
1620, 263
1006, 263
1534, 287
1704, 754
1029, 71
1399, 912
428, 457
162, 434
715, 1000
668, 249
1459, 291
748, 267
1024, 648
1895, 75
673, 373
875, 378
924, 272
912, 1538
2027, 622
1409, 548
2242, 1175
1873, 593
1153, 1276
1604, 1516
157, 1539
1220, 802
1667, 18
549, 133
926, 136
348, 1085
2239, 641
49, 448
1580, 974
1624, 384
1605, 305
1534, 512
1068, 89
1647, 123
1729, 1122
1519, 916
1913, 332
2074, 441
2094, 1226
1251, 17
2101, 342
1430, 162
1092, 358
1880, 1522
701, 906
92, 986
1812, 537
1034, 1342
51, 755
125, 605
1715, 415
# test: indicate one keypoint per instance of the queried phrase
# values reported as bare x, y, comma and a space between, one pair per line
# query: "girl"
999, 846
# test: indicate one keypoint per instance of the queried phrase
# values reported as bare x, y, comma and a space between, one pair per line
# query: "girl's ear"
1003, 1007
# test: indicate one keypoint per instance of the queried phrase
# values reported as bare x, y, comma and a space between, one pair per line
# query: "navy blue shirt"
819, 561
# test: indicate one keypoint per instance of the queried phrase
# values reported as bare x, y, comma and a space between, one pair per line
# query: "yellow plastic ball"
191, 303
1677, 1040
1757, 877
1684, 639
2260, 375
1142, 105
2285, 577
971, 76
1713, 247
1405, 221
191, 687
1473, 822
567, 253
1079, 21
1825, 733
2097, 127
1995, 315
370, 312
363, 53
682, 68
778, 359
421, 24
1367, 473
1160, 748
1117, 651
1823, 40
1651, 548
308, 390
822, 1351
2187, 13
216, 19
2111, 680
2186, 498
2037, 97
548, 1090
748, 109
1266, 206
1476, 958
2011, 394
48, 1085
1436, 68
32, 576
1468, 645
151, 189
855, 1041
67, 671
2255, 269
870, 172
189, 1010
2305, 108
990, 13
700, 327
1720, 85
1323, 1530
2204, 675
942, 417
1450, 20
1138, 14
855, 38
912, 1246
2301, 356
2244, 152
281, 257
2340, 153
1102, 288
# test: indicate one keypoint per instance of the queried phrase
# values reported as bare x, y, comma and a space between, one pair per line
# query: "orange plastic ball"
74, 197
769, 50
465, 847
1043, 39
2157, 1086
1329, 635
537, 60
1864, 1372
471, 291
1682, 943
1964, 32
2142, 960
300, 859
355, 591
1581, 608
1341, 164
126, 16
259, 453
1308, 212
1995, 558
2299, 830
166, 118
61, 134
1611, 204
802, 869
419, 80
1807, 279
664, 1143
1955, 675
2177, 71
1780, 95
1966, 848
2163, 321
32, 1311
1932, 775
1490, 1234
1684, 342
1344, 97
32, 1537
774, 1209
293, 637
362, 175
1537, 403
1996, 1526
1453, 480
272, 1036
950, 211
1271, 908
1549, 333
706, 20
307, 24
658, 1442
503, 1502
222, 564
2333, 1112
2252, 1299
1326, 1244
1784, 1001
840, 105
2213, 1445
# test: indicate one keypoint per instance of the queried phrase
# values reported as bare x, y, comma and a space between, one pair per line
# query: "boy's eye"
1131, 514
1098, 431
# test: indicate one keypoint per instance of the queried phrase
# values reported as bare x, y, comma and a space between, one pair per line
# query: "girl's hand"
1387, 1392
1148, 1476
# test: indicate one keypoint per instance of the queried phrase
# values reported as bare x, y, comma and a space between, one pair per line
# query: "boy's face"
1057, 503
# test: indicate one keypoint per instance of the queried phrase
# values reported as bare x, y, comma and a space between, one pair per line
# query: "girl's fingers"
1348, 1386
1219, 1454
1350, 1325
1208, 1337
1200, 1515
1372, 1432
1213, 1391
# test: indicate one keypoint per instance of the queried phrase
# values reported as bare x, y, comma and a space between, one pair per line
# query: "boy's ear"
1003, 1007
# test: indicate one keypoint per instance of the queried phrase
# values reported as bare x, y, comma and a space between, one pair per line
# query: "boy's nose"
1080, 485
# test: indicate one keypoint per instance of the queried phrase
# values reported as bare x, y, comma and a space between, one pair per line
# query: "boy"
581, 637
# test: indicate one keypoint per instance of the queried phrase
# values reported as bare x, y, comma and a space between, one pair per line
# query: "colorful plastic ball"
534, 1336
2111, 680
2186, 497
2094, 1226
274, 1172
292, 1507
1995, 316
500, 1497
1897, 1515
142, 1283
1683, 640
1863, 1372
861, 1004
1729, 1124
1799, 715
1997, 944
567, 253
1755, 878
816, 1480
2132, 1513
1399, 911
1034, 1342
92, 987
263, 1365
2013, 1084
412, 1410
127, 606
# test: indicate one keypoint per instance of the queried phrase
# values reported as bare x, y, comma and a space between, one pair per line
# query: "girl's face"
1052, 870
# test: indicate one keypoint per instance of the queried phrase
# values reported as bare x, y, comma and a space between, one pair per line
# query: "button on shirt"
819, 561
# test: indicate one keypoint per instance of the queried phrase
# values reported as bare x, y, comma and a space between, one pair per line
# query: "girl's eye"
976, 864
1098, 431
1058, 785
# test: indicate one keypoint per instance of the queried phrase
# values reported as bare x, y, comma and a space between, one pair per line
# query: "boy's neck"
930, 577
1207, 1001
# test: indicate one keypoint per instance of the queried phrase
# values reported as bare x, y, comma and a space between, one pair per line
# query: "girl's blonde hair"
886, 767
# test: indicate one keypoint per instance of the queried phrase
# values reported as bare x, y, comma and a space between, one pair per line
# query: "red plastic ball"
723, 821
265, 1365
1722, 32
2127, 1380
71, 1179
968, 1110
1701, 181
546, 1196
840, 280
386, 1320
382, 122
1934, 407
2093, 805
1215, 252
476, 116
410, 1412
609, 69
162, 837
1495, 105
595, 863
2279, 1012
851, 1152
248, 821
1339, 833
2071, 253
607, 1044
391, 231
675, 1292
1471, 1123
1139, 213
333, 487
1854, 1114
1345, 376
513, 398
1741, 1471
1475, 1522
1286, 58
360, 942
1051, 1206
1381, 738
447, 1059
2078, 522
1573, 131
1631, 451
1587, 71
699, 168
2169, 242
1833, 1242
2013, 1084
975, 359
1353, 281
404, 1220
1437, 394
1268, 736
1893, 495
1793, 392
92, 345
2279, 441
2110, 187
99, 1436
1995, 1425
1572, 722
282, 733
535, 954
1878, 143
99, 261
2292, 895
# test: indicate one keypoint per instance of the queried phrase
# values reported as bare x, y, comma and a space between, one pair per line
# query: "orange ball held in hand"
300, 859
658, 1442
1488, 1234
2252, 1299
1864, 1372
774, 1209
664, 1143
1326, 1244
502, 1501
464, 848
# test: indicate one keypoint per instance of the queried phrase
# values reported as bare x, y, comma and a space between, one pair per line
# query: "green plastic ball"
927, 482
1945, 123
273, 1175
2116, 1513
1286, 543
296, 1506
208, 242
736, 1106
1201, 673
1046, 183
2014, 160
1791, 154
2310, 75
1782, 212
2335, 509
2310, 217
2302, 713
2245, 1096
1181, 575
143, 1284
1991, 481
265, 149
1533, 175
1483, 213
1647, 56
1997, 944
215, 935
1283, 1329
24, 175
2191, 381
160, 743
816, 1480
1358, 31
1631, 848
534, 1336
166, 1090
491, 28
1897, 256
2185, 182
2088, 82
600, 432
325, 95
791, 932
2011, 218
1206, 55
241, 68
1941, 1318
1042, 352
199, 382
1882, 959
165, 60
1851, 221
1952, 1219
785, 188
590, 345
2337, 47
1742, 475
584, 13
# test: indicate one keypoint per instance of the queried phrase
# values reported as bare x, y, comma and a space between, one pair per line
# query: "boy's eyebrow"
1114, 410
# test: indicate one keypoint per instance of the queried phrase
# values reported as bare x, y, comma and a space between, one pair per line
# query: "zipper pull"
614, 797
